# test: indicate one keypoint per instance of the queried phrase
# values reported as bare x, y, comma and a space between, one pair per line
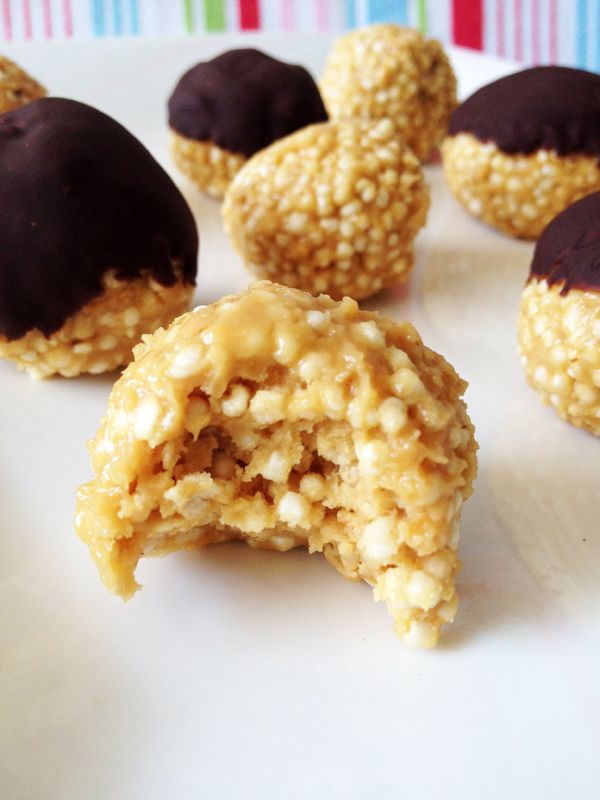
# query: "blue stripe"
351, 14
581, 34
388, 11
98, 21
134, 17
117, 18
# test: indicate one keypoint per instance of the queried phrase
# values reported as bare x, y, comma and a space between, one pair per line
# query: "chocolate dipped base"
559, 320
88, 211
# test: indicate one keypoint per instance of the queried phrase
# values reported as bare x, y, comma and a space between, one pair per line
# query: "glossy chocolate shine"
555, 108
568, 251
79, 195
244, 100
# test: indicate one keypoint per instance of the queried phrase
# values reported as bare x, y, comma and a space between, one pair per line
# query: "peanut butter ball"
98, 244
285, 420
16, 87
389, 71
332, 208
224, 110
559, 321
523, 148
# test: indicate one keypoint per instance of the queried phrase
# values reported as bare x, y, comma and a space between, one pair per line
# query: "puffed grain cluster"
100, 336
16, 87
517, 194
211, 168
332, 208
559, 342
389, 71
281, 420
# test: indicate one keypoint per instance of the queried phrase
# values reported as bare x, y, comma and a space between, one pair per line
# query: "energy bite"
224, 110
332, 208
98, 244
523, 148
559, 321
285, 420
386, 71
16, 87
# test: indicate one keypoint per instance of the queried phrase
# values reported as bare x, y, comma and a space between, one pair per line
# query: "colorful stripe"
467, 27
322, 21
98, 20
188, 16
287, 15
249, 15
422, 15
214, 16
27, 24
386, 11
500, 34
581, 40
351, 14
67, 18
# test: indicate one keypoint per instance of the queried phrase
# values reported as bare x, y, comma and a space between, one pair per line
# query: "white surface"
245, 674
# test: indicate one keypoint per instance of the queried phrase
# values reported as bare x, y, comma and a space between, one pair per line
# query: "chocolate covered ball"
523, 148
224, 110
389, 71
98, 244
559, 321
332, 208
16, 87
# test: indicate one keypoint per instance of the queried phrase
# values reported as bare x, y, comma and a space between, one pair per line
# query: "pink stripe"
47, 14
322, 15
287, 15
27, 26
500, 37
535, 31
519, 30
553, 31
7, 20
68, 18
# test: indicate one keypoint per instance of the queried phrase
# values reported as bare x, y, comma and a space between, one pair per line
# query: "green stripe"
188, 16
214, 15
422, 15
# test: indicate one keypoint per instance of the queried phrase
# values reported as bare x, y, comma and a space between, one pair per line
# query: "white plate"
242, 674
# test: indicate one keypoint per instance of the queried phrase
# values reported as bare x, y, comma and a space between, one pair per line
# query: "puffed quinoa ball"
517, 194
16, 87
210, 167
389, 71
285, 420
332, 208
559, 319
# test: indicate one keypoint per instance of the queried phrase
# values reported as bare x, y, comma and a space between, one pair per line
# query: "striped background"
531, 31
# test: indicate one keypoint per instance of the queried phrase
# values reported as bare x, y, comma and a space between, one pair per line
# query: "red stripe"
553, 31
68, 18
535, 31
519, 30
500, 37
27, 26
7, 20
467, 23
47, 14
249, 14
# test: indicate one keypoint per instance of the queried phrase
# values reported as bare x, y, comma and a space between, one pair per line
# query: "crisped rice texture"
517, 194
282, 419
17, 88
210, 167
100, 337
389, 71
559, 342
332, 208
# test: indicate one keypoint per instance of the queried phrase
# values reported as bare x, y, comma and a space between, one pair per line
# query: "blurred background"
529, 31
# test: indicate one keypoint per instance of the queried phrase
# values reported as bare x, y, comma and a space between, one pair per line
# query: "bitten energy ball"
16, 87
332, 208
559, 322
224, 110
389, 71
522, 149
285, 420
98, 245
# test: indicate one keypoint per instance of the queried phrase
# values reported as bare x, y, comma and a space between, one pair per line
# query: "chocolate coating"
568, 251
555, 108
244, 100
80, 196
